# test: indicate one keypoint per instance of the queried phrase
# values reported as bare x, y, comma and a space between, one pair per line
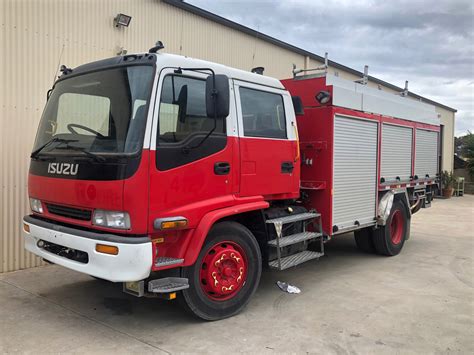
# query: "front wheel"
389, 239
226, 273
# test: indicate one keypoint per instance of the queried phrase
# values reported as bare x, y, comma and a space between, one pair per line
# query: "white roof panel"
363, 98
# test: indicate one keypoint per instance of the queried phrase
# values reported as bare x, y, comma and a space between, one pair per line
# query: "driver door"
190, 168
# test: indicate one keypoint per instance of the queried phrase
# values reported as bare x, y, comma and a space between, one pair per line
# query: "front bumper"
132, 263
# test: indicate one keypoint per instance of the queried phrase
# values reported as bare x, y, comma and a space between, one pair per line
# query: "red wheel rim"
396, 227
223, 271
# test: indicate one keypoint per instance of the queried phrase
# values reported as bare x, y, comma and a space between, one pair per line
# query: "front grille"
69, 212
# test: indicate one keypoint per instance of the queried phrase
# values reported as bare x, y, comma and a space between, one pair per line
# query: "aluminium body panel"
354, 172
361, 97
396, 155
426, 153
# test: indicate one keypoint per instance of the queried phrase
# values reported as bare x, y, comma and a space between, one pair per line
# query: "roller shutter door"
355, 172
396, 152
426, 153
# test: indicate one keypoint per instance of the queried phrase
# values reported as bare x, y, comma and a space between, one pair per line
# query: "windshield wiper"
35, 153
94, 156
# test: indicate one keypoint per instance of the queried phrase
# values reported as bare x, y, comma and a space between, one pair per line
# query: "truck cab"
139, 158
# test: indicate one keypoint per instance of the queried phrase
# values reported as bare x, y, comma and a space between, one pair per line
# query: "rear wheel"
363, 239
225, 274
389, 239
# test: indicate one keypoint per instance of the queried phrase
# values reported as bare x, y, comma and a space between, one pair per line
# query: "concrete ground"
418, 302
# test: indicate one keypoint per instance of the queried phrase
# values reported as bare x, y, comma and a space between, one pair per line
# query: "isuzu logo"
63, 168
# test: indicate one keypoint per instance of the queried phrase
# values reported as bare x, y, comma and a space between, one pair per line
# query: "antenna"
365, 77
258, 70
159, 45
405, 90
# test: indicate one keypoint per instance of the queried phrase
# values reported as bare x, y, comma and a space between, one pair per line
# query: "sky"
430, 43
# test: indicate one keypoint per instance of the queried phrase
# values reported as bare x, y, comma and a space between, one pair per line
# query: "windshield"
99, 112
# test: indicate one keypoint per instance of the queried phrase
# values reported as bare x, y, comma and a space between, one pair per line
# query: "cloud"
427, 42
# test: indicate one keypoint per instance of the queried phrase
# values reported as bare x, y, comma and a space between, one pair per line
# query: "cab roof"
163, 60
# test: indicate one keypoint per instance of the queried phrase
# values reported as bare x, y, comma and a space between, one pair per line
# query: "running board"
295, 259
168, 284
166, 261
156, 288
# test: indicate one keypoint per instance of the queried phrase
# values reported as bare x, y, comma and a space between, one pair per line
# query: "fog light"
106, 249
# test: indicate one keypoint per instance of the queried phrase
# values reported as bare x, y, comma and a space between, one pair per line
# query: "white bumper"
132, 263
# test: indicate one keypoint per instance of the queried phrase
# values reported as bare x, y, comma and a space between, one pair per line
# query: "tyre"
225, 275
389, 239
363, 239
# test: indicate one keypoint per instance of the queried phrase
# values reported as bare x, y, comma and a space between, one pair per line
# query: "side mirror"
217, 96
298, 105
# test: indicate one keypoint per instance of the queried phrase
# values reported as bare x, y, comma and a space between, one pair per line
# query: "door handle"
287, 167
222, 168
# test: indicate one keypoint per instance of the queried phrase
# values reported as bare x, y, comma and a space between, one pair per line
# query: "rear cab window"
263, 113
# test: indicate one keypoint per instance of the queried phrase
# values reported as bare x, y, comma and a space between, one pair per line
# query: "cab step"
166, 261
293, 239
281, 240
294, 218
168, 284
295, 259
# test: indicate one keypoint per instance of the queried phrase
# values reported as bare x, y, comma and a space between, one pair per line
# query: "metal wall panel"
396, 152
355, 171
426, 153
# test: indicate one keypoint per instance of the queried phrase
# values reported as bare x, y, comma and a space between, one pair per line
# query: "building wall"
37, 36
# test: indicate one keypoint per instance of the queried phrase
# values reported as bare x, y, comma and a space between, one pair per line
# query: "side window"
263, 114
183, 110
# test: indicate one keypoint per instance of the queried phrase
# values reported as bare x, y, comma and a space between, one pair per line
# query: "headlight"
111, 219
36, 205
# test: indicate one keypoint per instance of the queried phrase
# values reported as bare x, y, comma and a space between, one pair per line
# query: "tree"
467, 151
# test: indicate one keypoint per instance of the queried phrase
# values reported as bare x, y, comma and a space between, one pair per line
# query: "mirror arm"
214, 94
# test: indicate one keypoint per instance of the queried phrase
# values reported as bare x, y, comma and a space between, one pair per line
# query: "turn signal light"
106, 249
26, 227
174, 224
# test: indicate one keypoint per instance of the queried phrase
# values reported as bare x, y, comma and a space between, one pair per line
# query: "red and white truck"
183, 178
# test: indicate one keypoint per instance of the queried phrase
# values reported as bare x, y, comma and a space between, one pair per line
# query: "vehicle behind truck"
182, 178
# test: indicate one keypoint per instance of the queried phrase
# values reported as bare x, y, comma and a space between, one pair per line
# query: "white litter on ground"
287, 287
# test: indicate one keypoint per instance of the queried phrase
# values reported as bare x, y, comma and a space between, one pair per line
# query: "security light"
122, 20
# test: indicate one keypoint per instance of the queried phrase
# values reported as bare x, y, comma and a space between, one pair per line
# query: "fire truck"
182, 178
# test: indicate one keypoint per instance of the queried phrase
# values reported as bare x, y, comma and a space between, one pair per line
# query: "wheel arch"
249, 214
385, 206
